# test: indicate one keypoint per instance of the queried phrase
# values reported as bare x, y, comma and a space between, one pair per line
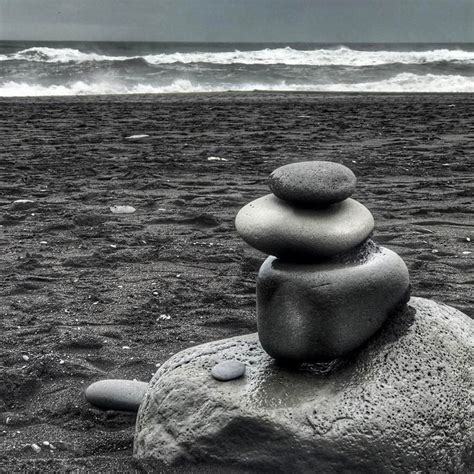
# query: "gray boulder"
400, 403
323, 311
278, 228
313, 183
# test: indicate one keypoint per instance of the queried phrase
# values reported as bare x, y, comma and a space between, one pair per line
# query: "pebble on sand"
22, 204
116, 394
35, 448
136, 137
216, 158
228, 370
122, 209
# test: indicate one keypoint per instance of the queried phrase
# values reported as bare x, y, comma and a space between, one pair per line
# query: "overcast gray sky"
239, 20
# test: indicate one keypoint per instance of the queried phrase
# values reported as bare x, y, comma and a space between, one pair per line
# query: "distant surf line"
401, 83
340, 56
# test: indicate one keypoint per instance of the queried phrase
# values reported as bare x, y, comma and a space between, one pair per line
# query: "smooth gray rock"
316, 183
278, 228
399, 404
323, 311
228, 370
116, 394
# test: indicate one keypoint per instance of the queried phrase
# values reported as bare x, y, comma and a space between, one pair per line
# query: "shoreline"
175, 95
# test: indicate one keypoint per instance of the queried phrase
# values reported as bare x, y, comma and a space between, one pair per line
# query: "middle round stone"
292, 233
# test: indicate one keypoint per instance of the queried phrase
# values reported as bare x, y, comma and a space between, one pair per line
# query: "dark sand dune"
88, 294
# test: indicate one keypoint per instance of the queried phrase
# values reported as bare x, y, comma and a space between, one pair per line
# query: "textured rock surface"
278, 228
116, 394
401, 403
313, 182
322, 311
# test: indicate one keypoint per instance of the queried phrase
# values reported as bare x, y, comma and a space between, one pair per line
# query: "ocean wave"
58, 55
342, 56
402, 83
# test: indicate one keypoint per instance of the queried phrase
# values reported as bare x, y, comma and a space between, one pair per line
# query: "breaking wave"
341, 56
404, 82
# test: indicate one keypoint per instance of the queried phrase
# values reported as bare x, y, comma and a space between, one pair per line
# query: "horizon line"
234, 42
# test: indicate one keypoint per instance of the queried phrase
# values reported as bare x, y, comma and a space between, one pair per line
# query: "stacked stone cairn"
318, 388
326, 287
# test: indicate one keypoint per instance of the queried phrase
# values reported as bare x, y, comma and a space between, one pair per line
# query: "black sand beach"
87, 294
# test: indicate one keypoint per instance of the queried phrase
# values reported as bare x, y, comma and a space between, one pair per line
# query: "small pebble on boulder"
228, 370
116, 394
313, 183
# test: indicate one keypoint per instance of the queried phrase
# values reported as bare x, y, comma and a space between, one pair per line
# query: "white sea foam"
320, 57
404, 82
23, 89
341, 56
58, 55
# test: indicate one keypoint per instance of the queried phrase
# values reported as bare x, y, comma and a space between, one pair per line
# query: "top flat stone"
313, 183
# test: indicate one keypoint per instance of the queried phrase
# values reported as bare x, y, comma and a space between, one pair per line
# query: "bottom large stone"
400, 403
322, 311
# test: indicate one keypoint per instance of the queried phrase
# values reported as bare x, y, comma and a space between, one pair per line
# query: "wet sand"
87, 294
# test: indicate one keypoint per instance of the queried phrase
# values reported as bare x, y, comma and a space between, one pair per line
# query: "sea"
92, 68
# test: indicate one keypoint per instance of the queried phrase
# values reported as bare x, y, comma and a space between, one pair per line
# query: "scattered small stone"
136, 137
216, 158
164, 316
122, 209
22, 204
468, 239
25, 357
46, 443
126, 347
35, 448
228, 370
